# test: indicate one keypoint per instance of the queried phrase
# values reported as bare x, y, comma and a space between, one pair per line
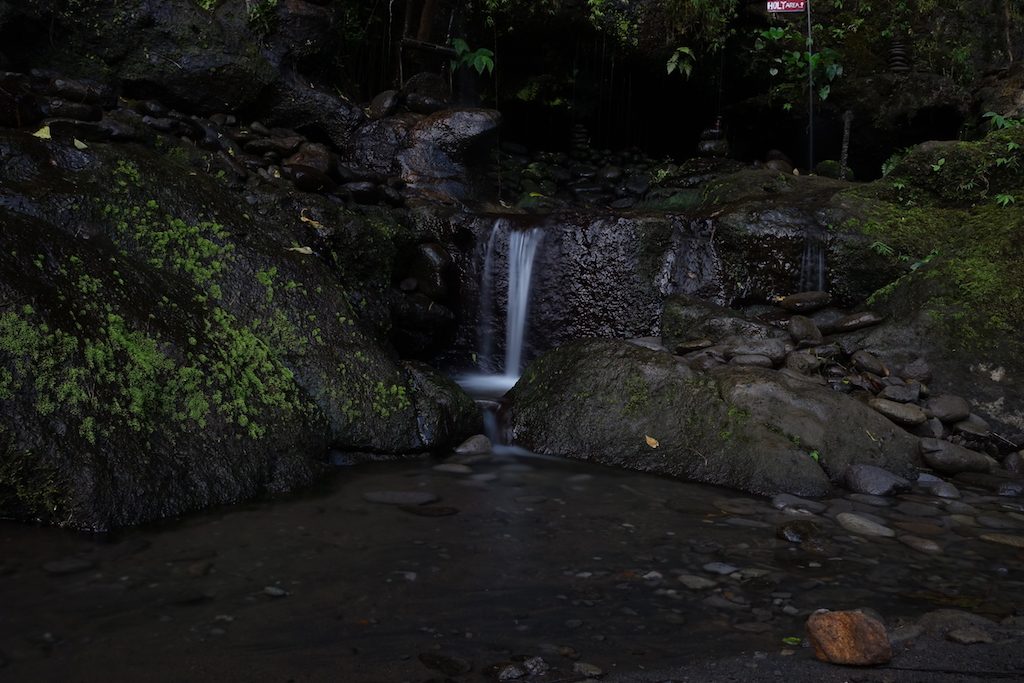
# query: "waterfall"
522, 246
813, 271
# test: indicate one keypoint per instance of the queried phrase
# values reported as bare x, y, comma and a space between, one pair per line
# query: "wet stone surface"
550, 570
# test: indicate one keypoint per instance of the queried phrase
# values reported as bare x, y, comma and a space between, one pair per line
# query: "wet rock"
942, 621
384, 104
1014, 463
800, 531
773, 349
868, 362
721, 568
918, 370
943, 489
923, 545
313, 155
536, 666
58, 108
430, 265
696, 583
859, 524
400, 497
848, 638
973, 426
932, 429
475, 445
362, 191
856, 321
449, 666
588, 670
969, 635
753, 361
275, 591
804, 331
282, 146
511, 672
943, 456
874, 481
309, 179
948, 408
1004, 539
906, 393
900, 413
803, 363
785, 501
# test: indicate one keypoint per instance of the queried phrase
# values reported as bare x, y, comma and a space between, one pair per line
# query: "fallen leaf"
651, 441
305, 251
312, 221
43, 133
79, 144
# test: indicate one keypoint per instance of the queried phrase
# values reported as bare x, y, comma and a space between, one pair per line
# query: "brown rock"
848, 637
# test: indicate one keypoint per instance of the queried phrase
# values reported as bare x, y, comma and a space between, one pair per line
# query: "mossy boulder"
947, 215
167, 343
747, 428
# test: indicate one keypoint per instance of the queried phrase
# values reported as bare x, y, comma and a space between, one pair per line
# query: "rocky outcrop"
167, 343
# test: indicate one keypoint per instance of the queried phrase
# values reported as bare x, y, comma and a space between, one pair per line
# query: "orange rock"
848, 638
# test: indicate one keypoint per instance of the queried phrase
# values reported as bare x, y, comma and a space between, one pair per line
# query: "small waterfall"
521, 254
522, 249
813, 271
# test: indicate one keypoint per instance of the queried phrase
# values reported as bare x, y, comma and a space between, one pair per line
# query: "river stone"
754, 361
475, 445
453, 468
874, 481
587, 669
848, 638
400, 497
384, 104
944, 489
972, 425
932, 429
1011, 489
696, 583
804, 331
923, 545
799, 531
900, 413
785, 501
906, 393
857, 321
949, 408
774, 349
943, 456
803, 363
969, 635
720, 568
859, 524
868, 362
1004, 539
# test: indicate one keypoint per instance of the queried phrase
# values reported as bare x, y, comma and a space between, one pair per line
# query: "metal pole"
810, 92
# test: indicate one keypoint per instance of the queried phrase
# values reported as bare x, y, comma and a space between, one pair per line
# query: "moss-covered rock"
166, 345
947, 214
751, 429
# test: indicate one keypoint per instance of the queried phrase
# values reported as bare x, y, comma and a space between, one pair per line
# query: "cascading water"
521, 254
813, 270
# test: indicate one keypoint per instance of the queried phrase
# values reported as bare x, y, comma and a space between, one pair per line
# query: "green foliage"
260, 14
480, 60
787, 56
1000, 122
682, 60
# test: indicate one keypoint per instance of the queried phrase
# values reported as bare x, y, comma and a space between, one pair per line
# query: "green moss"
389, 399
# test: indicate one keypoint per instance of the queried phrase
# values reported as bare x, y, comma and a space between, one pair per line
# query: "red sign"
787, 5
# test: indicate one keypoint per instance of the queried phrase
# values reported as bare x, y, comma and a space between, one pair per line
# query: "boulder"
848, 638
949, 408
905, 414
748, 428
874, 481
946, 457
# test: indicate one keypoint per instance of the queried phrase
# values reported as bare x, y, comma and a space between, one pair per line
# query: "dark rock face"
165, 346
440, 147
748, 428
